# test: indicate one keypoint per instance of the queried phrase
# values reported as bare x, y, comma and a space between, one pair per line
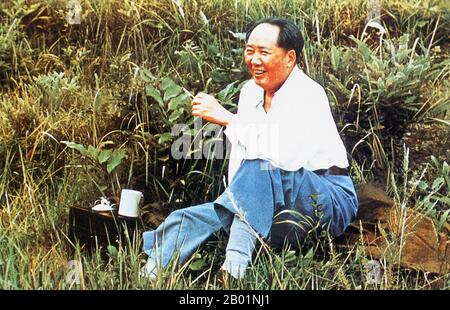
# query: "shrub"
379, 90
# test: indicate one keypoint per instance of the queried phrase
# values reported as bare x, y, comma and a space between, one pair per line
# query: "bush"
379, 89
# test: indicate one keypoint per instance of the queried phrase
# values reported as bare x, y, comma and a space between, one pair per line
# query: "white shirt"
297, 131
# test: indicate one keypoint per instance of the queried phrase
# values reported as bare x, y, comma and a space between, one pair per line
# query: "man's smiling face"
269, 64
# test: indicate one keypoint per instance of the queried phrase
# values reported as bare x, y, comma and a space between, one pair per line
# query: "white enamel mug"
129, 202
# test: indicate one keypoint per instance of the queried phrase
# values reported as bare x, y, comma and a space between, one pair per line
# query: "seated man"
287, 158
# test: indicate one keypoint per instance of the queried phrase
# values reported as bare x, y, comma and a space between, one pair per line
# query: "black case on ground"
92, 228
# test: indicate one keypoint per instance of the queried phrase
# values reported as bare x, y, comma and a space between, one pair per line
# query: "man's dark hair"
289, 37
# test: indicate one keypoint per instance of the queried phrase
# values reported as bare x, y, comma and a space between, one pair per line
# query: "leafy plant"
173, 103
379, 89
169, 105
106, 159
112, 158
54, 89
436, 195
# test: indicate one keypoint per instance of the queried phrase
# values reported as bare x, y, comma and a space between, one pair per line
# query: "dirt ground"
423, 141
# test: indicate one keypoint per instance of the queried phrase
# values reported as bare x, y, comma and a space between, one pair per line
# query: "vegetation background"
88, 101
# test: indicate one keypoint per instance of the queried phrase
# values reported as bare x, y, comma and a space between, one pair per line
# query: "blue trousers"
279, 205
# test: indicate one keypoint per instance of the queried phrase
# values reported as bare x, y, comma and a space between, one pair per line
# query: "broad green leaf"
146, 75
175, 115
309, 254
437, 184
421, 23
374, 66
348, 55
197, 264
212, 49
308, 257
154, 93
93, 152
166, 83
116, 158
422, 185
237, 51
219, 76
404, 39
80, 148
445, 168
338, 84
402, 55
444, 218
364, 50
400, 76
389, 82
104, 156
335, 57
289, 257
380, 64
189, 61
381, 84
171, 92
180, 100
435, 161
410, 99
227, 92
112, 250
167, 136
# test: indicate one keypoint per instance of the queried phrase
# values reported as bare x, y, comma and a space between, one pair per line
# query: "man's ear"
291, 58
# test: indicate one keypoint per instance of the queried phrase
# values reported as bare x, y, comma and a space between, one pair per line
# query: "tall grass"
86, 83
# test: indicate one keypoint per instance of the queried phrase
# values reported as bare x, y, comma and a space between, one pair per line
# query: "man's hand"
208, 108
